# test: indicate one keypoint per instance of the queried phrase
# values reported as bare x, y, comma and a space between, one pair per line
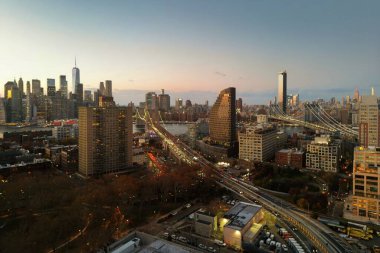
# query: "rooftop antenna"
75, 61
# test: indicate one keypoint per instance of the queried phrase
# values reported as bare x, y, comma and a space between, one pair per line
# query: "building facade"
259, 143
222, 121
105, 139
282, 97
369, 122
76, 78
366, 183
323, 154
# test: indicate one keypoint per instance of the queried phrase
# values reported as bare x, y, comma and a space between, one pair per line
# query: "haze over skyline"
198, 46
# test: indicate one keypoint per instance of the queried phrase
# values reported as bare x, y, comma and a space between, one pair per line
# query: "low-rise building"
65, 132
241, 224
292, 157
69, 159
205, 223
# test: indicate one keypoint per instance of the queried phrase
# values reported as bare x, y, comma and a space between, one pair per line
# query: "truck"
358, 233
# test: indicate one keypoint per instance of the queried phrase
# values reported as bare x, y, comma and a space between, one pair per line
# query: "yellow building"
366, 192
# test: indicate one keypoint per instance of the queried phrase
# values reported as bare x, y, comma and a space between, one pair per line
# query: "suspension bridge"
323, 120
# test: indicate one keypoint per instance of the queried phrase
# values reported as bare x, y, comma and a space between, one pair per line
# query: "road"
322, 237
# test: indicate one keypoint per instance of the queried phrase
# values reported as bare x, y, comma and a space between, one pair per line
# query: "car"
183, 239
202, 246
166, 234
173, 213
294, 228
220, 243
173, 236
211, 249
188, 205
284, 248
241, 193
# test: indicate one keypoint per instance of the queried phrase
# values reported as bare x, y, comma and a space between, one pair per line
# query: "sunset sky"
196, 45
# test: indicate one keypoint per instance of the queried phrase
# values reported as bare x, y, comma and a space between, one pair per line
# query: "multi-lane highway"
321, 236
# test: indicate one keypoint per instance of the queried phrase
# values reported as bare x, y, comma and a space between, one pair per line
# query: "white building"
260, 142
323, 154
240, 224
65, 132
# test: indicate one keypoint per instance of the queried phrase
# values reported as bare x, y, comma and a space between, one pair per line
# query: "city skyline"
140, 47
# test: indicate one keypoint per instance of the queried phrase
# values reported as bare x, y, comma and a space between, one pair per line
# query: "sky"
195, 47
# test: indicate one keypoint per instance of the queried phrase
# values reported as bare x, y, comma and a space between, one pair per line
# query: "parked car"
202, 246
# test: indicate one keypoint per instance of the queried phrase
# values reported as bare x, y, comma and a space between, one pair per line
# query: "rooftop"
241, 214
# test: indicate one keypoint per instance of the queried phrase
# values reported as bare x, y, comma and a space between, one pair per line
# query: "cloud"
220, 74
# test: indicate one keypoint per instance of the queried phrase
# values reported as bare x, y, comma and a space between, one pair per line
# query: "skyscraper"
13, 102
102, 89
282, 96
36, 87
223, 120
178, 103
356, 95
21, 87
108, 88
105, 139
63, 86
87, 96
164, 101
239, 105
369, 122
3, 113
50, 87
151, 101
76, 78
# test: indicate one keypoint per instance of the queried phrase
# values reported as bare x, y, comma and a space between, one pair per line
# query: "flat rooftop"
161, 246
241, 214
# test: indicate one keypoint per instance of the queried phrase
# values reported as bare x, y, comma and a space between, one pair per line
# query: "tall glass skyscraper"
76, 78
282, 96
63, 86
223, 120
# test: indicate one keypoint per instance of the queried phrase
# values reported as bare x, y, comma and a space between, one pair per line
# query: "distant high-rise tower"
76, 78
373, 91
21, 86
223, 120
63, 86
27, 87
356, 95
369, 121
164, 101
151, 101
178, 103
50, 87
79, 93
36, 87
108, 88
102, 89
282, 89
13, 102
3, 113
239, 105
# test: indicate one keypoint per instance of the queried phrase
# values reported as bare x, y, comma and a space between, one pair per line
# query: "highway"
323, 238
